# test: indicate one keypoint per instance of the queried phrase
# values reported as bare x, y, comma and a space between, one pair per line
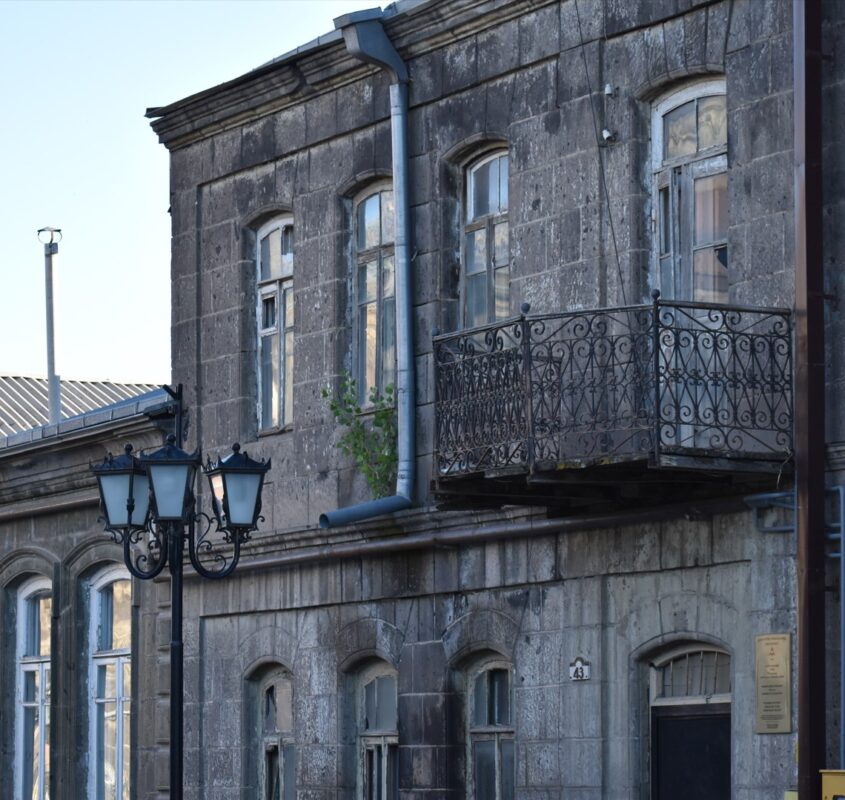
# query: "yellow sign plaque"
774, 713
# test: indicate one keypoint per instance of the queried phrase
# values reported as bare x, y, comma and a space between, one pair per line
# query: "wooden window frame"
487, 223
675, 177
497, 733
282, 329
375, 742
383, 250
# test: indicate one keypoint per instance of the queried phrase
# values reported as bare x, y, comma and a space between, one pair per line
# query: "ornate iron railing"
641, 382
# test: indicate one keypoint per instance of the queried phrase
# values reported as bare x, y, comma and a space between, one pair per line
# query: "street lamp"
149, 507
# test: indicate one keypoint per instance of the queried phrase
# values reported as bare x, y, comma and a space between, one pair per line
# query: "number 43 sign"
579, 670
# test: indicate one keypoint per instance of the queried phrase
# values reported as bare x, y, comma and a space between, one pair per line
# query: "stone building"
476, 202
65, 599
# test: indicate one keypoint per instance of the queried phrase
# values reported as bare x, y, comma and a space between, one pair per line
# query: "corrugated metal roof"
24, 403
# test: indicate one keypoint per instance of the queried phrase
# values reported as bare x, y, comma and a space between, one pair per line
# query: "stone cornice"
323, 67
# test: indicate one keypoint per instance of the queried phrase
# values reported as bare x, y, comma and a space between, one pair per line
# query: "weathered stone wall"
531, 74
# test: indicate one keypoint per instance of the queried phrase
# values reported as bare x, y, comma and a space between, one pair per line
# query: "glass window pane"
387, 217
723, 674
386, 703
508, 776
476, 251
500, 244
711, 208
503, 184
392, 773
388, 344
271, 774
501, 290
712, 122
106, 681
289, 770
126, 689
30, 686
107, 764
284, 705
493, 186
31, 753
479, 701
271, 255
46, 684
287, 301
710, 277
479, 191
270, 709
367, 281
268, 311
370, 705
127, 751
45, 612
484, 769
665, 221
288, 399
500, 698
387, 277
476, 300
368, 222
122, 614
287, 251
679, 131
106, 621
366, 351
269, 381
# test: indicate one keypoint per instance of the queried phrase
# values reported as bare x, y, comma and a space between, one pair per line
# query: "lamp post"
150, 508
50, 238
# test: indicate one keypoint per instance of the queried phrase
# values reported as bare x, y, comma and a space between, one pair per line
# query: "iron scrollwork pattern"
604, 385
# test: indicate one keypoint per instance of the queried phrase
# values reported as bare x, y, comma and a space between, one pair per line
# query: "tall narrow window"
110, 685
491, 735
271, 764
275, 323
690, 694
32, 750
689, 160
377, 734
486, 259
375, 326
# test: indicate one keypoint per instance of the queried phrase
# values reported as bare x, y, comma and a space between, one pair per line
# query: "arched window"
486, 241
378, 737
274, 271
689, 166
110, 684
32, 689
270, 760
375, 306
491, 732
690, 697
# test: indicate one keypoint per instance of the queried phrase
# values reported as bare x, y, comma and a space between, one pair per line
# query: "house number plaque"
773, 684
579, 670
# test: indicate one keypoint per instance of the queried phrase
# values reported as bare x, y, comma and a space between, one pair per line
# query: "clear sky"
77, 153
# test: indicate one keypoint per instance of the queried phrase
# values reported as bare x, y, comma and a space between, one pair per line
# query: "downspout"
365, 39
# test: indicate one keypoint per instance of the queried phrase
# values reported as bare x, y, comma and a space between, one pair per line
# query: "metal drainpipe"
365, 39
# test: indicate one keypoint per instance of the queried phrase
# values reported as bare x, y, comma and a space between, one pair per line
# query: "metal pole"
809, 394
50, 249
175, 537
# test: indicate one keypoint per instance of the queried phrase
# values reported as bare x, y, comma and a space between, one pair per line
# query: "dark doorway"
691, 752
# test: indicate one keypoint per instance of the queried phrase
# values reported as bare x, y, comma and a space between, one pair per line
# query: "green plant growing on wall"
370, 435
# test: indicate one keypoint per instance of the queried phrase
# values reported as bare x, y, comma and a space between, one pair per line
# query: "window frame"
656, 699
495, 732
676, 177
379, 253
120, 657
487, 223
29, 590
383, 742
282, 741
283, 328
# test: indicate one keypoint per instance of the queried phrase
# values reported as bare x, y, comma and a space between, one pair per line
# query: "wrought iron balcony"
670, 385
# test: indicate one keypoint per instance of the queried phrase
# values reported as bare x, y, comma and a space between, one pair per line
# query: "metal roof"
24, 402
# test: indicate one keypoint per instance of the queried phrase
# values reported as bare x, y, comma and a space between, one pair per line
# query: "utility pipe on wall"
365, 39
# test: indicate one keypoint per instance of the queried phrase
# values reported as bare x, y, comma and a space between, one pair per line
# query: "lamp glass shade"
241, 496
170, 486
116, 489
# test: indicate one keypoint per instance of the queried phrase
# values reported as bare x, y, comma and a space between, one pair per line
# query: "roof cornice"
322, 66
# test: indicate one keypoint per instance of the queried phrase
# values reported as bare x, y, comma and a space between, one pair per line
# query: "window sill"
275, 431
